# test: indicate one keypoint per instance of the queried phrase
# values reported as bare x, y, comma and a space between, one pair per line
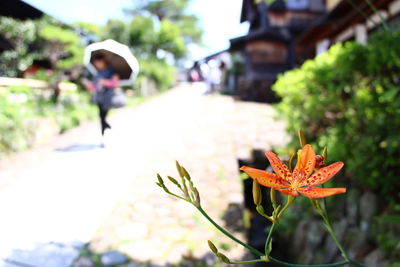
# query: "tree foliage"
158, 34
38, 39
89, 27
116, 30
20, 35
63, 45
174, 11
142, 35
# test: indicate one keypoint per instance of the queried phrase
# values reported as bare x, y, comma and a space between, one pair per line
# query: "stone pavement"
56, 198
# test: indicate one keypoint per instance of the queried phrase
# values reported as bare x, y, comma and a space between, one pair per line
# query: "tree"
158, 34
36, 40
174, 11
116, 30
89, 27
142, 35
62, 46
20, 35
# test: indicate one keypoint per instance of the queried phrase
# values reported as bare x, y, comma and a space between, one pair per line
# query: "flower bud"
302, 138
179, 168
273, 197
173, 180
197, 196
319, 162
223, 258
257, 196
260, 209
292, 155
325, 154
185, 173
212, 247
160, 180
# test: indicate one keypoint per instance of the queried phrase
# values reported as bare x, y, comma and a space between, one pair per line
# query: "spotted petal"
317, 192
288, 191
279, 168
306, 163
265, 178
323, 174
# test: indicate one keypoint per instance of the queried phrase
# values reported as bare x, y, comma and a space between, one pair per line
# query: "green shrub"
14, 136
73, 109
158, 71
22, 105
349, 100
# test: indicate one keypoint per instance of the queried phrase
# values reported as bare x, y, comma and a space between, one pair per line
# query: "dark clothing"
107, 73
103, 114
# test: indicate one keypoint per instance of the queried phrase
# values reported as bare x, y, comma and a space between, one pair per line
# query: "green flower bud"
302, 138
325, 154
212, 247
160, 180
223, 258
292, 155
197, 196
273, 197
257, 196
179, 168
173, 180
260, 209
185, 173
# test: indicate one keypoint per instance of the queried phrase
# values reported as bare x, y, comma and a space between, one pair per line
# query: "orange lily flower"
300, 181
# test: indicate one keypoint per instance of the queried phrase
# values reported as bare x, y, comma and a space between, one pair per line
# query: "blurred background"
220, 83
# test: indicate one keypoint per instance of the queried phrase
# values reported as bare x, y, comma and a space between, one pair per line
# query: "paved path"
58, 197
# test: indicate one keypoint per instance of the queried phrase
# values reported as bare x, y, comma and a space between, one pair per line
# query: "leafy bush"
349, 100
22, 107
14, 135
158, 71
73, 109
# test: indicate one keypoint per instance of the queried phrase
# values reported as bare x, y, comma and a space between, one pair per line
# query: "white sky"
219, 18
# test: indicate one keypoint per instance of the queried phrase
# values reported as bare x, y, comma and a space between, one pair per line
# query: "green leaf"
390, 219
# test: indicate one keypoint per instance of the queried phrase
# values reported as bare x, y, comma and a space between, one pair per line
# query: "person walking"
102, 87
213, 76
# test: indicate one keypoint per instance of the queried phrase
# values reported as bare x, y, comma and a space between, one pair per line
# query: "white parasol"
118, 56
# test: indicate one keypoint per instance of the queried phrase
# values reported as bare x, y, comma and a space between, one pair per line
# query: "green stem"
385, 26
225, 232
175, 195
332, 233
289, 202
336, 240
269, 237
271, 259
246, 262
276, 217
304, 265
355, 263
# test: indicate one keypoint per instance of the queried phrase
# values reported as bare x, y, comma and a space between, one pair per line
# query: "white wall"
322, 46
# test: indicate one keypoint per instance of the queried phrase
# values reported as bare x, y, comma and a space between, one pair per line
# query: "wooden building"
284, 34
343, 22
269, 47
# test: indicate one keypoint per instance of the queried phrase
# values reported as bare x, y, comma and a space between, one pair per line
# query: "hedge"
348, 99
